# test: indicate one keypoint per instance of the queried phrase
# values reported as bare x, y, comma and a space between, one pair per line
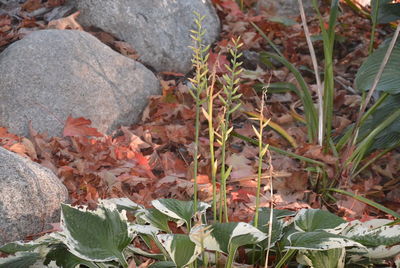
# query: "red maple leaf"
79, 127
218, 62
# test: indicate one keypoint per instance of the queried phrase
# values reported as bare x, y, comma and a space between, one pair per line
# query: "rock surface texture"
159, 30
51, 74
30, 197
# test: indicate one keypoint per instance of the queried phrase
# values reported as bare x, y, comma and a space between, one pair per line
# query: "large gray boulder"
51, 74
158, 30
30, 197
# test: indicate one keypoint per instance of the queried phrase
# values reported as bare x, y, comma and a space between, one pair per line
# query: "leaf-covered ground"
153, 158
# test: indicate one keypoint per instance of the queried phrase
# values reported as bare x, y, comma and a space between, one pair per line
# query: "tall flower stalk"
228, 99
200, 84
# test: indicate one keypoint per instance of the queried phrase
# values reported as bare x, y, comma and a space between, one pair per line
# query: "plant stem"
316, 72
271, 213
211, 135
288, 255
231, 257
372, 160
374, 18
279, 151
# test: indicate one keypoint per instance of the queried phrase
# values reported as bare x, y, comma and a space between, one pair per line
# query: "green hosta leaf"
163, 264
99, 235
319, 240
277, 225
139, 251
125, 203
154, 218
380, 252
180, 248
333, 258
144, 229
180, 210
21, 259
308, 220
222, 236
374, 233
387, 11
390, 136
390, 80
13, 247
66, 259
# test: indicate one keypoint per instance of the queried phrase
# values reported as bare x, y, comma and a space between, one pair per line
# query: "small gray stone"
30, 197
159, 30
51, 74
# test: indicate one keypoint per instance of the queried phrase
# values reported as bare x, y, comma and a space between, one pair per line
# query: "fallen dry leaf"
75, 127
66, 23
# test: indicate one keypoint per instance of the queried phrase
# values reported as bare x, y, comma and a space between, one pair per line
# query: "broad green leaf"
390, 80
144, 229
21, 259
163, 264
99, 235
373, 233
390, 136
277, 225
333, 258
180, 248
380, 252
139, 251
14, 247
232, 234
125, 203
154, 218
387, 11
308, 220
66, 259
180, 210
319, 240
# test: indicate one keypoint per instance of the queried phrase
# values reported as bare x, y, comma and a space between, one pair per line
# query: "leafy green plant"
102, 238
376, 127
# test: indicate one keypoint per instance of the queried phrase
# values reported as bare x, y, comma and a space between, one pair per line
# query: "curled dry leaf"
66, 23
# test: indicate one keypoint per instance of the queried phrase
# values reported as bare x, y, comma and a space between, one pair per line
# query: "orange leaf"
79, 127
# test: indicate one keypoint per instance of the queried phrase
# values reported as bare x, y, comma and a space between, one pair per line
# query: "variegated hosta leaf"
21, 259
379, 252
99, 235
125, 203
319, 240
277, 225
13, 247
373, 233
308, 220
63, 258
180, 210
144, 229
225, 235
333, 258
154, 218
180, 248
139, 251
